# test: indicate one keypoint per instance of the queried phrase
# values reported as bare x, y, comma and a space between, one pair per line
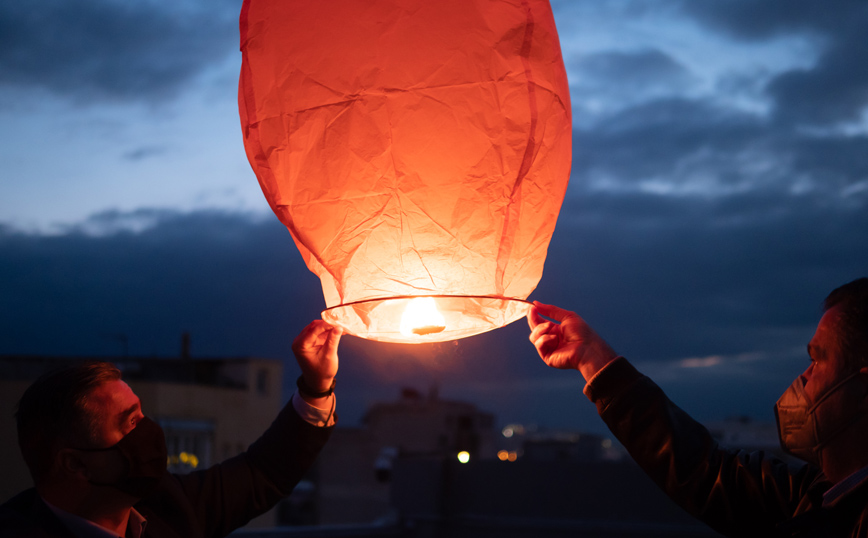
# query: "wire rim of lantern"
433, 296
385, 319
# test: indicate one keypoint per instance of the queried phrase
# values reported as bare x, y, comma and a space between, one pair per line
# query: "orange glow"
184, 457
502, 455
512, 456
412, 149
421, 317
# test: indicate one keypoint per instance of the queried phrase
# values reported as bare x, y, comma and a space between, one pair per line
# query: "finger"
333, 339
552, 311
533, 318
546, 345
540, 330
309, 335
298, 341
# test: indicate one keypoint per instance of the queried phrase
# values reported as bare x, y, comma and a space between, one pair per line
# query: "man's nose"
806, 375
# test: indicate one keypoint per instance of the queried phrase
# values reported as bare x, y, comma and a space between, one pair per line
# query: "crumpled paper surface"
410, 147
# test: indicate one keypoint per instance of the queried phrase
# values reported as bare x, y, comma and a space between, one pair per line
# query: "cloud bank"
718, 192
109, 49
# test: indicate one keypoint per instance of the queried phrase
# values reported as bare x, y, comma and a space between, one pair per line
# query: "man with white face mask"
822, 419
99, 463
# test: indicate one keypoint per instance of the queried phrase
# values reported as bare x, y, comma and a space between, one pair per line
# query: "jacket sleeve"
229, 494
736, 493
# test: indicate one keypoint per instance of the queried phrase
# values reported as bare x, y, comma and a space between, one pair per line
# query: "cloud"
701, 362
682, 142
683, 147
660, 277
145, 152
665, 277
235, 282
749, 20
94, 49
636, 71
607, 80
835, 89
716, 360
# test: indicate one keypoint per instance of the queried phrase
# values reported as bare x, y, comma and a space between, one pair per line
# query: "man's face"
129, 458
119, 409
827, 361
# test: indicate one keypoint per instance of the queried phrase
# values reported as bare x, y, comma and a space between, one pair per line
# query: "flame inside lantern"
421, 317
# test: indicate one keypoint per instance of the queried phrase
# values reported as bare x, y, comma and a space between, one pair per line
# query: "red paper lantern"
413, 148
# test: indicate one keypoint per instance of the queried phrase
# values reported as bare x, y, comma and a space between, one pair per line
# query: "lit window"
189, 443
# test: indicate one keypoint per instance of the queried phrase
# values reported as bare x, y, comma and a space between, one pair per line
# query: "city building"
353, 472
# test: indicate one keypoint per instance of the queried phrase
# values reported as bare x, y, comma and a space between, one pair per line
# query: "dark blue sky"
719, 191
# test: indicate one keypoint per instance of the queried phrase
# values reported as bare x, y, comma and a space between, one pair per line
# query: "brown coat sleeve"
734, 492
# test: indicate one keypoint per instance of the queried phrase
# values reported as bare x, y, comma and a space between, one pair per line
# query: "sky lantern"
417, 151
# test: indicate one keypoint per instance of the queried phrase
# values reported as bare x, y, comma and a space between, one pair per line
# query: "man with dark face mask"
822, 419
99, 464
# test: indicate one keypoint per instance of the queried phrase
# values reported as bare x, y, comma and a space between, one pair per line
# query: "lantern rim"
465, 315
432, 295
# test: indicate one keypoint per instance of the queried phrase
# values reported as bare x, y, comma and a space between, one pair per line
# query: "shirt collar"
84, 528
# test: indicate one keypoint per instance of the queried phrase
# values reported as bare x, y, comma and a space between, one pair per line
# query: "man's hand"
569, 344
316, 350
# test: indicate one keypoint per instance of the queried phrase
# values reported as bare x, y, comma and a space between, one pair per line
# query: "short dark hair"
852, 301
56, 411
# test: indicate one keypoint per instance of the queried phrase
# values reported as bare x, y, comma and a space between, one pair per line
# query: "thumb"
552, 311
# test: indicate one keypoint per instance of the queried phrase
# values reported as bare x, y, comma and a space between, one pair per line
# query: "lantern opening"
422, 317
425, 318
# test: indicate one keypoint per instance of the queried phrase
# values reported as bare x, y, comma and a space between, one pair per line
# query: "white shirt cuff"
315, 415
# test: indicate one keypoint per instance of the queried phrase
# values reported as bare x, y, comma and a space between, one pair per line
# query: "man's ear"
70, 464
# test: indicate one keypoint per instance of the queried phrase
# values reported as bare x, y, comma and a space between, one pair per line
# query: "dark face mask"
144, 450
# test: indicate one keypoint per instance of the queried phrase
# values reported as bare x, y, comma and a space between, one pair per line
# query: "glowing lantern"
413, 149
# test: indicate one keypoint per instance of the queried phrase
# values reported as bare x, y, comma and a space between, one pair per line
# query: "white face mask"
804, 428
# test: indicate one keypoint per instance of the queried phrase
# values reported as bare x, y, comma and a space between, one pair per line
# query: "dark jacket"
734, 492
207, 503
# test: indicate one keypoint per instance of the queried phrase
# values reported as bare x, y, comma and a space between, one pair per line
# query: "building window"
189, 443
